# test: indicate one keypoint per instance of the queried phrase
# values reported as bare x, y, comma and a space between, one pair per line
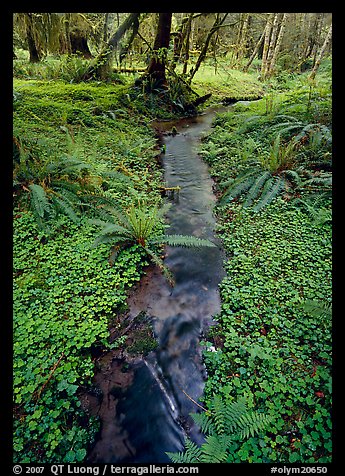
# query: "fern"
183, 240
255, 189
317, 309
319, 214
233, 413
251, 423
192, 453
221, 424
65, 207
239, 186
293, 176
205, 423
141, 225
272, 188
214, 450
40, 201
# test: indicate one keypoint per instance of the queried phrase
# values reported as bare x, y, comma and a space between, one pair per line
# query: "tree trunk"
156, 67
187, 43
101, 67
106, 28
278, 44
79, 44
125, 49
256, 50
268, 30
272, 44
218, 22
242, 36
322, 53
33, 50
179, 36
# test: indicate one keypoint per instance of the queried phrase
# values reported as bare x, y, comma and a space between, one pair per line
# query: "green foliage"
270, 342
78, 149
65, 295
257, 155
273, 340
141, 225
64, 186
222, 424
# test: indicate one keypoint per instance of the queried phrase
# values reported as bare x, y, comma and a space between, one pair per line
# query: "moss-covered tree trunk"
101, 66
33, 50
79, 45
156, 67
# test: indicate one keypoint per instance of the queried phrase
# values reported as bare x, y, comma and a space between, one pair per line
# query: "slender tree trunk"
126, 47
156, 67
106, 28
242, 35
187, 43
218, 22
268, 30
256, 50
322, 53
277, 45
272, 44
179, 36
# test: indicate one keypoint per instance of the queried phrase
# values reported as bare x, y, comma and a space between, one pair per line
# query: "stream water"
145, 410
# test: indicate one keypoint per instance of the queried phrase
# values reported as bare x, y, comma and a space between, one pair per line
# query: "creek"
144, 405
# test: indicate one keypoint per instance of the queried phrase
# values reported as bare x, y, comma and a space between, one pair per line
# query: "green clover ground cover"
65, 292
65, 296
270, 348
268, 345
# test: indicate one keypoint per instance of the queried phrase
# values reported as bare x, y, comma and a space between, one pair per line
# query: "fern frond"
251, 423
109, 239
67, 166
182, 240
215, 449
158, 262
205, 423
64, 207
325, 181
59, 184
238, 187
324, 130
249, 121
233, 413
111, 229
40, 201
255, 189
292, 176
273, 187
192, 453
218, 409
317, 308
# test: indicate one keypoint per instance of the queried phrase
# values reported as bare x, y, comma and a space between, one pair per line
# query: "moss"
143, 341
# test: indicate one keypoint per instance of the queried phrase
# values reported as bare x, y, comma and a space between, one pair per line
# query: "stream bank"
144, 402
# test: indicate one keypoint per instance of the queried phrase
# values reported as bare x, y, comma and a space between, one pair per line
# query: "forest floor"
67, 297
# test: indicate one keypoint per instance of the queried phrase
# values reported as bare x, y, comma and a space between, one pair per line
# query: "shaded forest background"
268, 42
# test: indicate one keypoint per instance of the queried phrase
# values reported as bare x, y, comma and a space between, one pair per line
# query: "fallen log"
129, 70
200, 100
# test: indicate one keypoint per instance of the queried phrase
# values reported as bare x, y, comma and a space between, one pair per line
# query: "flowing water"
145, 410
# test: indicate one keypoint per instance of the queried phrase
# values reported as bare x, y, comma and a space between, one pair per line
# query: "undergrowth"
82, 147
273, 340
